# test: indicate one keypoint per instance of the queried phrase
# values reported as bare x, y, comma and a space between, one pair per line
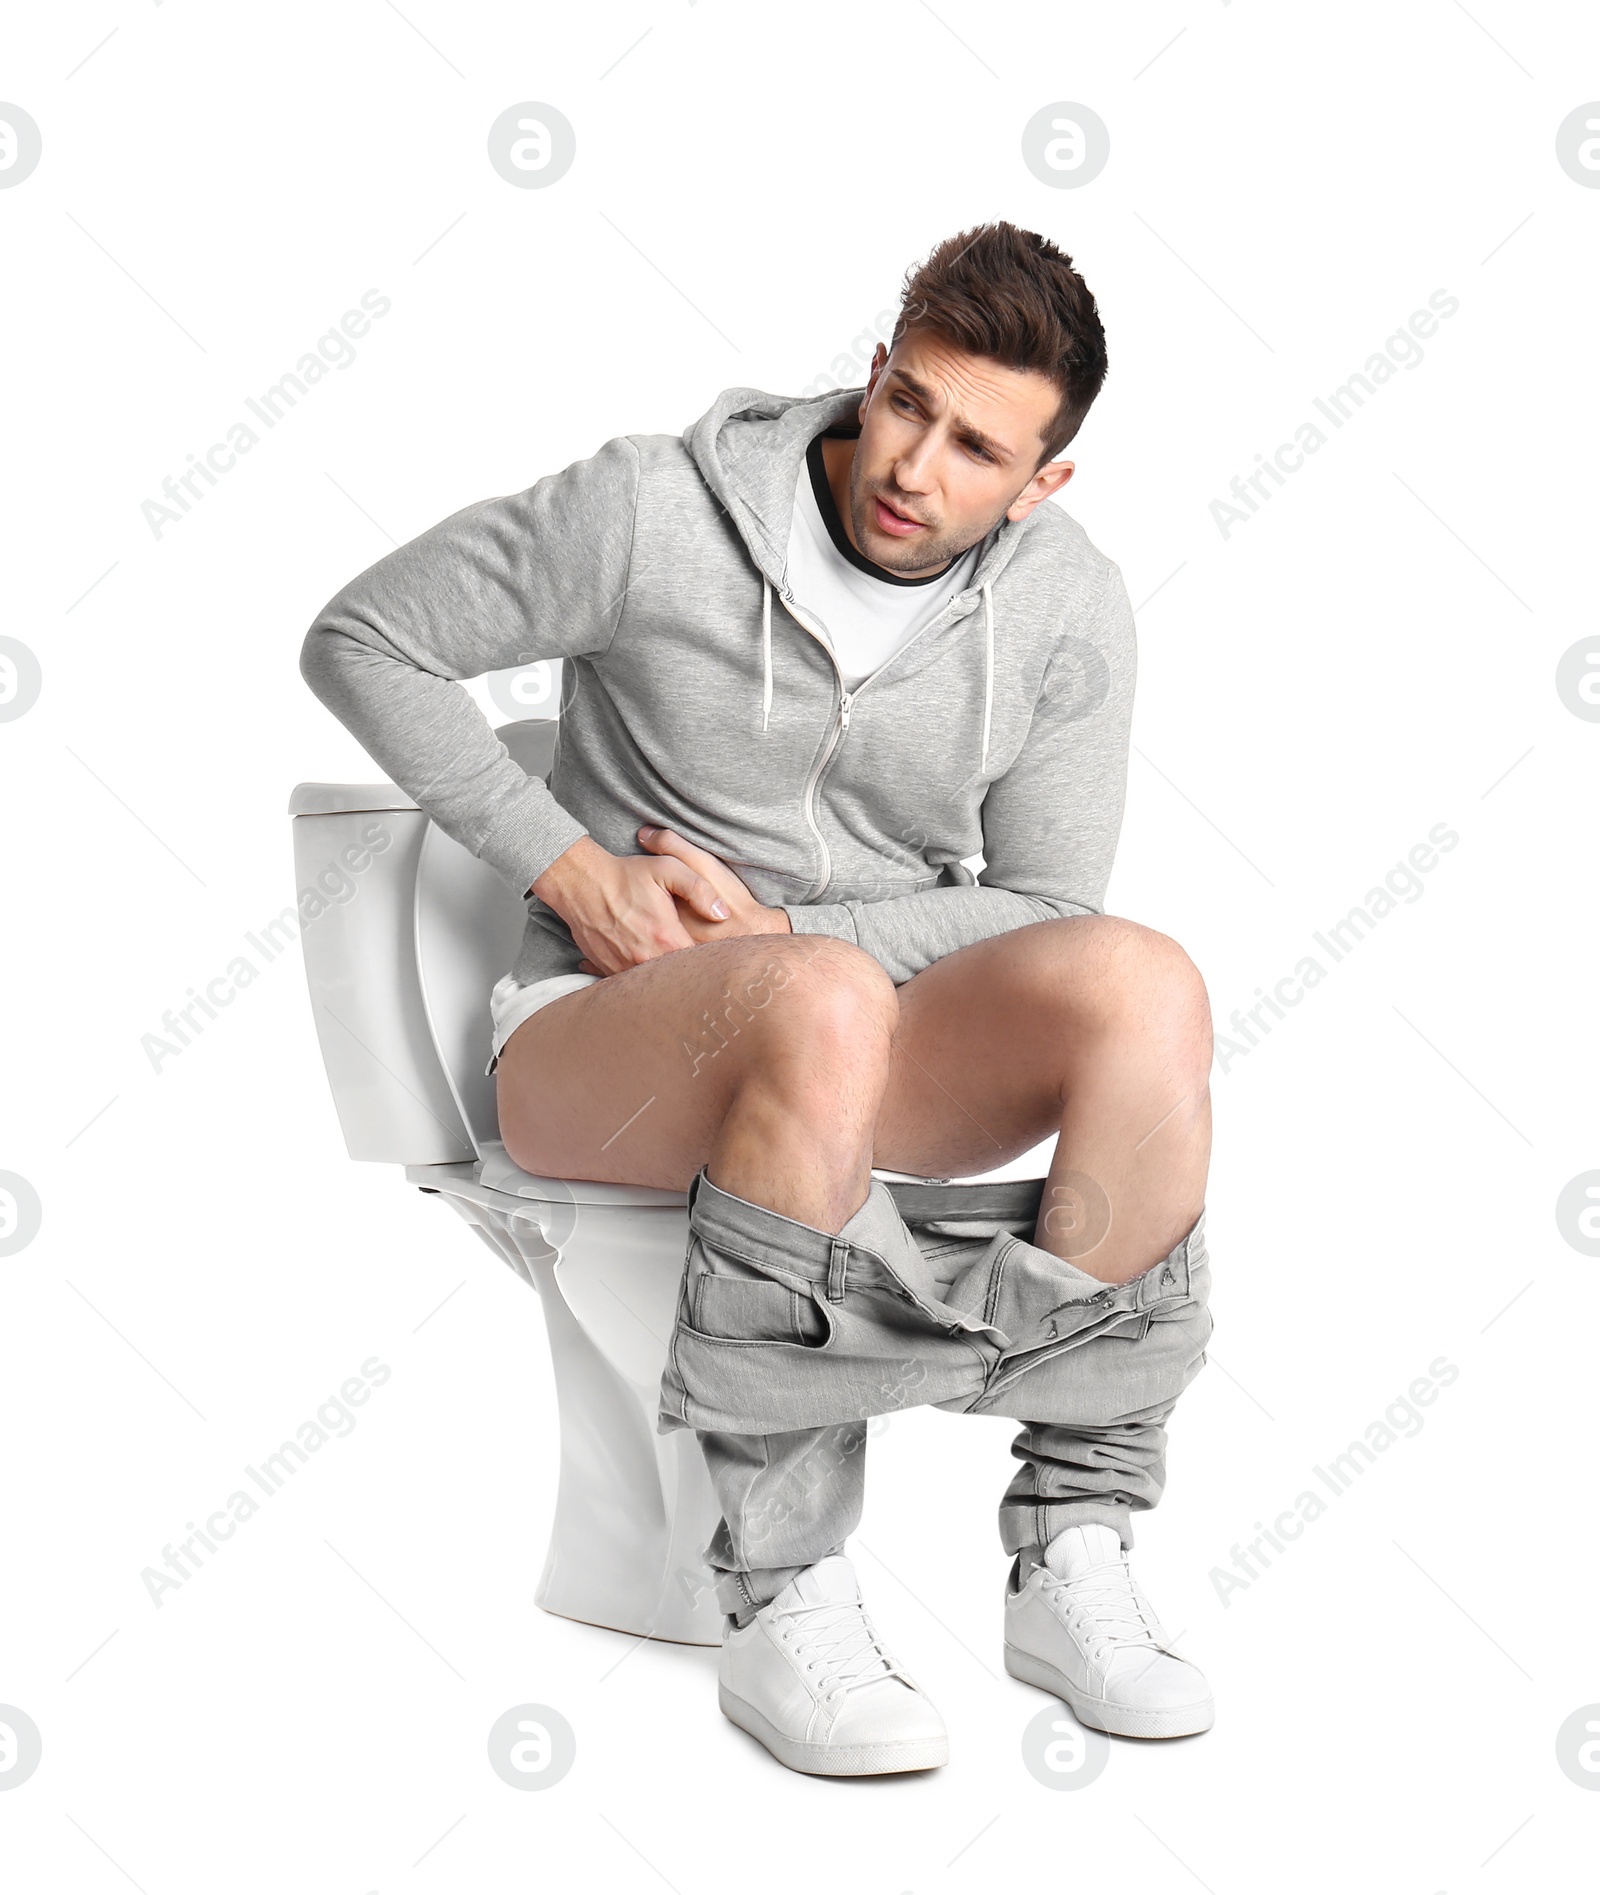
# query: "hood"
749, 445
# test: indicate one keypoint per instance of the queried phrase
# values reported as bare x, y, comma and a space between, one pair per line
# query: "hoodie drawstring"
766, 649
988, 662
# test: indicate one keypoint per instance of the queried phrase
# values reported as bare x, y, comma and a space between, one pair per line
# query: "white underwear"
511, 1003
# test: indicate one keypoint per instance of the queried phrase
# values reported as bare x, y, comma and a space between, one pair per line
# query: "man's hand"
631, 908
747, 915
743, 914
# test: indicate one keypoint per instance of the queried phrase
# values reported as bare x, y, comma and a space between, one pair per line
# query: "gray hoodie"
695, 696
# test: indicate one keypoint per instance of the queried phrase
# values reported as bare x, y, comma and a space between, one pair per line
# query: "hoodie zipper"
841, 723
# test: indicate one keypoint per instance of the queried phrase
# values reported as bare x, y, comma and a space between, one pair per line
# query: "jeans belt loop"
838, 1258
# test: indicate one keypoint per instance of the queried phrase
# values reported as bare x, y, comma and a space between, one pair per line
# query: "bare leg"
763, 1057
789, 1065
1094, 1027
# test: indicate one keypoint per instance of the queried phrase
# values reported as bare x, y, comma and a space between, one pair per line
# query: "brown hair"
1011, 295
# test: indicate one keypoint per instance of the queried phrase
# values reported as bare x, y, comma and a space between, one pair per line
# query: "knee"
1127, 982
822, 996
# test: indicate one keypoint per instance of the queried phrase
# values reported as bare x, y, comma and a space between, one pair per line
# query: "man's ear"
1051, 478
880, 356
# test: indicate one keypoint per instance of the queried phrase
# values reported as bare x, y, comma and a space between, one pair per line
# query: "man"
818, 654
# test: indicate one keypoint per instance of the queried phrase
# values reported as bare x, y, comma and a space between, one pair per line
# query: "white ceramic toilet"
400, 966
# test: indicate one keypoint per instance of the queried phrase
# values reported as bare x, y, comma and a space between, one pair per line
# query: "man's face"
949, 445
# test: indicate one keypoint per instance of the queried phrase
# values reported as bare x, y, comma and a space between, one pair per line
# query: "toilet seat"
497, 1173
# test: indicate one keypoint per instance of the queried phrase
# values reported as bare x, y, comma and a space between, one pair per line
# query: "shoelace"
1108, 1607
845, 1644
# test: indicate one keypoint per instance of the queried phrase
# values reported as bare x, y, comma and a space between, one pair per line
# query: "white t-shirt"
866, 613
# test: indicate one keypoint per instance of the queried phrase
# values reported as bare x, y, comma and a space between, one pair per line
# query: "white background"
1372, 654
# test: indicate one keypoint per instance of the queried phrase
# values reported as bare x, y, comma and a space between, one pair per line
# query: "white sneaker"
1080, 1626
809, 1677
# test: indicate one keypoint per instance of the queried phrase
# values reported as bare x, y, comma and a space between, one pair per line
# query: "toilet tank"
404, 933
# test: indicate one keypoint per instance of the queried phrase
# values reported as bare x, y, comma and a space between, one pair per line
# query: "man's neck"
838, 457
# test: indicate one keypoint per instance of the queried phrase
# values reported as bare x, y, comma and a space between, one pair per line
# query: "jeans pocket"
755, 1309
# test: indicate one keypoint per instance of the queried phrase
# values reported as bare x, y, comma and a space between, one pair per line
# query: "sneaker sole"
834, 1760
1121, 1720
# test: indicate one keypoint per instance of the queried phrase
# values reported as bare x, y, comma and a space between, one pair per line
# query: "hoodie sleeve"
1050, 823
502, 583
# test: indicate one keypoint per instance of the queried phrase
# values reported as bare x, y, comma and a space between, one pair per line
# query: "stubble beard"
931, 553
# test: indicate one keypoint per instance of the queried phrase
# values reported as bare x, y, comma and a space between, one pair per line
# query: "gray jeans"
788, 1340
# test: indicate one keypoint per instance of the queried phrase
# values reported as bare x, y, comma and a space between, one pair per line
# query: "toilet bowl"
400, 962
